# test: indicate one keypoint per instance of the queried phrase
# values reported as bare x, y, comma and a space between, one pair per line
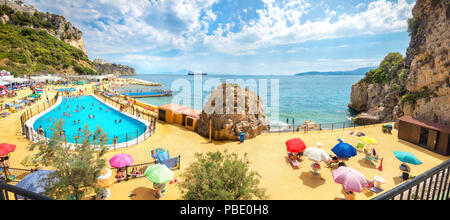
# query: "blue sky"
238, 36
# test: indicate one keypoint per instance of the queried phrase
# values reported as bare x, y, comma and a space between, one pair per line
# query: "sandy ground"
267, 154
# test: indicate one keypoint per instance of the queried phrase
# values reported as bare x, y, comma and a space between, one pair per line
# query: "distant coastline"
360, 71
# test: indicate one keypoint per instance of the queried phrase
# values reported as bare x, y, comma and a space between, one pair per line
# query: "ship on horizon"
190, 73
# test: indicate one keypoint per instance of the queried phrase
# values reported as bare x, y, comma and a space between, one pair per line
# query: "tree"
221, 176
77, 168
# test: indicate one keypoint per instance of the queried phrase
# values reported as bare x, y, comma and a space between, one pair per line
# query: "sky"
277, 37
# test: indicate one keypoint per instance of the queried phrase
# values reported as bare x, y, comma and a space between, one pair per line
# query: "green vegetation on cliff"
392, 67
26, 51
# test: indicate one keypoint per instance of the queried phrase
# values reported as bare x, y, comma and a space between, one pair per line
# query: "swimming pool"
66, 90
105, 117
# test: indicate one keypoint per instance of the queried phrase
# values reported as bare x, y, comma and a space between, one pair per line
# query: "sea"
319, 98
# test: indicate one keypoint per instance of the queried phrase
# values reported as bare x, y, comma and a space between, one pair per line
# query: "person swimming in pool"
115, 121
120, 121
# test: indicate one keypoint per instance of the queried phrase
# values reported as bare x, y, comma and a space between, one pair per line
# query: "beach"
266, 154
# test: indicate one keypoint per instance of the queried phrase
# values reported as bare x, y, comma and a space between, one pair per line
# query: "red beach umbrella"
5, 149
295, 145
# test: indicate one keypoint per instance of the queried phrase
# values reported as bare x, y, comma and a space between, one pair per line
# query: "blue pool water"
66, 90
103, 118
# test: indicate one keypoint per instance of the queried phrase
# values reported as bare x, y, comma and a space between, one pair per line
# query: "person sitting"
342, 164
333, 162
405, 171
299, 157
40, 130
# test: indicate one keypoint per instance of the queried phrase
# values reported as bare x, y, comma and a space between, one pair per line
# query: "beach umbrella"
121, 160
159, 173
295, 145
351, 179
407, 157
344, 150
106, 179
369, 140
162, 156
5, 149
157, 151
36, 182
316, 154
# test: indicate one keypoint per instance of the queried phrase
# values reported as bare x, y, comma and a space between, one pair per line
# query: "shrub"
412, 97
220, 176
413, 26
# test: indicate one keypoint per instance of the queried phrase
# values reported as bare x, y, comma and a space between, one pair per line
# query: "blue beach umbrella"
36, 182
407, 157
157, 151
344, 150
162, 156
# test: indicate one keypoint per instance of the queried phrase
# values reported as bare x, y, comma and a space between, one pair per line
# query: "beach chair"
173, 163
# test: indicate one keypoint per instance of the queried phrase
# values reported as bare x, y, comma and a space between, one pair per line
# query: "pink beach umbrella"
121, 160
351, 179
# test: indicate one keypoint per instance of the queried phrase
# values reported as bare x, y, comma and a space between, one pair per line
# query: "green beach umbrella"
159, 174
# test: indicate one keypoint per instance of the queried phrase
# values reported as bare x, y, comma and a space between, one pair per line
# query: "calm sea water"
322, 99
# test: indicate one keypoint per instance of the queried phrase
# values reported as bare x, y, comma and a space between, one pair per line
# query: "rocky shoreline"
420, 87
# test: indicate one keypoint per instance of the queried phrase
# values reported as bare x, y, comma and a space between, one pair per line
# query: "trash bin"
242, 136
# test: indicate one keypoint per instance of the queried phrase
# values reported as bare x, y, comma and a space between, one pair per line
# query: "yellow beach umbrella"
369, 140
106, 179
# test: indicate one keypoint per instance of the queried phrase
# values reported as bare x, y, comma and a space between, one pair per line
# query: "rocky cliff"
419, 85
116, 69
56, 25
232, 111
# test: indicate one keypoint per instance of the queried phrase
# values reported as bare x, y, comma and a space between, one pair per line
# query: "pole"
210, 131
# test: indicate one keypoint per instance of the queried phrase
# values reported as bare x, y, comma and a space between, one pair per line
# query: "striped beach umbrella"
159, 174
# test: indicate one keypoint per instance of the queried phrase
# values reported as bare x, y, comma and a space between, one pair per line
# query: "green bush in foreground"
221, 176
77, 169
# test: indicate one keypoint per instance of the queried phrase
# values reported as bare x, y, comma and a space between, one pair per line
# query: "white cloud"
281, 24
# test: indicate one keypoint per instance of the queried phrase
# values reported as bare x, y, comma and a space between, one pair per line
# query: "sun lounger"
172, 163
294, 163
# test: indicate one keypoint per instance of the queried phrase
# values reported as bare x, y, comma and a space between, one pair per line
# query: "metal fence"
28, 131
287, 128
431, 185
13, 174
10, 192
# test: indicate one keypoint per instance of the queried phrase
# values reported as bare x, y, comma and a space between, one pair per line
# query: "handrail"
422, 178
5, 189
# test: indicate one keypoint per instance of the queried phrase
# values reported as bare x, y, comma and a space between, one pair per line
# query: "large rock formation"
420, 87
232, 111
116, 69
429, 61
56, 25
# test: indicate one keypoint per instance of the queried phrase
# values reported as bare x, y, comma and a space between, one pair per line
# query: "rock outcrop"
232, 111
116, 69
429, 61
309, 125
421, 86
56, 25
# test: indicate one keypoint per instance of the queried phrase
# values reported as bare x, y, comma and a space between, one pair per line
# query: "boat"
190, 73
